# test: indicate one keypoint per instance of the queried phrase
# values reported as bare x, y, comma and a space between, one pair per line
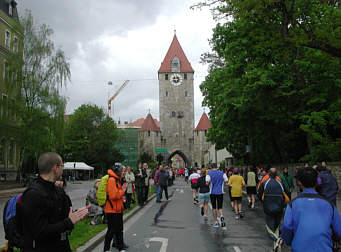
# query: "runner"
204, 193
194, 185
186, 175
216, 180
236, 182
251, 190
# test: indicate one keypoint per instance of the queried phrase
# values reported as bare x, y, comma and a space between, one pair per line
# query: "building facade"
11, 42
176, 103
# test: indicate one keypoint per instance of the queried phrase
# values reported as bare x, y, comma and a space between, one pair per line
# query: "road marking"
182, 191
237, 249
164, 242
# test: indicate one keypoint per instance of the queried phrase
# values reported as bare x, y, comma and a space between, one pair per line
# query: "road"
177, 226
77, 192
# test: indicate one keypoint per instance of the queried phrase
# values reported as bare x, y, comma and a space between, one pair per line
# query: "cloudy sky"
117, 40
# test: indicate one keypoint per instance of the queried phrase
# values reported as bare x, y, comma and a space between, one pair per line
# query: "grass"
83, 232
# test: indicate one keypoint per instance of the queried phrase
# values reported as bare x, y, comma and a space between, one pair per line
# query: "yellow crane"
114, 96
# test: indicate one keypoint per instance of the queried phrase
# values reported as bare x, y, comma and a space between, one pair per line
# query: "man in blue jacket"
310, 220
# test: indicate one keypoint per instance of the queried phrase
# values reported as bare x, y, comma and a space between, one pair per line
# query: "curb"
98, 239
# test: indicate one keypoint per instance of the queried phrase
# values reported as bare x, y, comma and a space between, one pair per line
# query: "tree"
39, 75
90, 137
274, 79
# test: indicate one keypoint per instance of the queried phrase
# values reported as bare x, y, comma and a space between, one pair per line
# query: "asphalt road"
77, 192
177, 226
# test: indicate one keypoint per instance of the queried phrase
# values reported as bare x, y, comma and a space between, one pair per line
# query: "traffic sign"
160, 150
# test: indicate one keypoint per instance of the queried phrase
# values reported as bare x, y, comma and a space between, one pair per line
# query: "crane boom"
114, 96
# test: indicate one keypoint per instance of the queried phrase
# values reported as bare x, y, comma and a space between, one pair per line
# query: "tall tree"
41, 73
91, 137
274, 79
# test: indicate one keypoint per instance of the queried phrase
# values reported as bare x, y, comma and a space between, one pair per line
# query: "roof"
204, 123
77, 166
149, 124
175, 50
139, 122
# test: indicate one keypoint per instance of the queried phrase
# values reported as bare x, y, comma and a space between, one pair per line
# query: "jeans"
157, 192
115, 227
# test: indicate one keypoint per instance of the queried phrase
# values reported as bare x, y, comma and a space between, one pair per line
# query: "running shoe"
216, 224
278, 244
237, 217
253, 207
202, 211
222, 220
205, 217
241, 214
249, 204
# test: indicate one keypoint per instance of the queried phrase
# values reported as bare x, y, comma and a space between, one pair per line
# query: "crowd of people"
310, 221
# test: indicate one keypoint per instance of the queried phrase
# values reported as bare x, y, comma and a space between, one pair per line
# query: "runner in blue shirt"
310, 220
215, 179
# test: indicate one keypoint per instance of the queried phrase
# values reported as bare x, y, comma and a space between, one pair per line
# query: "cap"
235, 170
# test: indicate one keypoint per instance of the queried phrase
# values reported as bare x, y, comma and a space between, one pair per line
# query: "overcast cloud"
116, 40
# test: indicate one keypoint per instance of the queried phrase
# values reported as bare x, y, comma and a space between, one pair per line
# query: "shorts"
217, 199
204, 197
194, 186
251, 190
236, 198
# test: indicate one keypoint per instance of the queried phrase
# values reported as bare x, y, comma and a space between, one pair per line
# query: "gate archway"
181, 154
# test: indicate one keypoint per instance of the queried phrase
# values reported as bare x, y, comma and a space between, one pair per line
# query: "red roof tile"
149, 124
175, 50
204, 123
139, 122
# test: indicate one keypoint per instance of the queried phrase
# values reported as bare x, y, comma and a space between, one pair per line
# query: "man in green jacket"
287, 181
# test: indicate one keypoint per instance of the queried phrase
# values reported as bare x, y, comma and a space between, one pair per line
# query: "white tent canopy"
77, 166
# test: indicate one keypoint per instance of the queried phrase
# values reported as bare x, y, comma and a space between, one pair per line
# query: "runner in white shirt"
186, 175
194, 184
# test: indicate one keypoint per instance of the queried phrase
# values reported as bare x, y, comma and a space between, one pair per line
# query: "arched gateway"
182, 155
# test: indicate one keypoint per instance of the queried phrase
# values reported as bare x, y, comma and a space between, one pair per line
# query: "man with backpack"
272, 193
114, 208
310, 221
45, 214
326, 184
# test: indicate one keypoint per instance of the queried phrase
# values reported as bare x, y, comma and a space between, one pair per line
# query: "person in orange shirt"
114, 209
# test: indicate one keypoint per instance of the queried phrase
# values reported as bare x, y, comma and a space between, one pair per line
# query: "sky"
116, 40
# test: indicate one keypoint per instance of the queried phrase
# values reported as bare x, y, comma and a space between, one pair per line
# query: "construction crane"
114, 96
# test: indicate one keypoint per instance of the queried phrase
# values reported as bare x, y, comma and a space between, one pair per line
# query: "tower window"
148, 133
175, 64
186, 93
166, 93
173, 114
166, 76
185, 76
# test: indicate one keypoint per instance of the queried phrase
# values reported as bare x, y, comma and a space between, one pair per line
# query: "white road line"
182, 191
164, 242
237, 249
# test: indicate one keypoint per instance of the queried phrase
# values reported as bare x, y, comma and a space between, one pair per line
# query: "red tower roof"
149, 124
175, 50
204, 123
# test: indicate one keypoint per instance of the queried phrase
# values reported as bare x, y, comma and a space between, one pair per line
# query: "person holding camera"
114, 208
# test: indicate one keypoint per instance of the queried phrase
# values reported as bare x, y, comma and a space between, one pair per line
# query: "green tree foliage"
275, 79
39, 73
90, 137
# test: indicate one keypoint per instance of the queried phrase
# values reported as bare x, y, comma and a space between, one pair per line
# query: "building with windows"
11, 42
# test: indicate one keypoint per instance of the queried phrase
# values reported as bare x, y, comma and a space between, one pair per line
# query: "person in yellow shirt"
236, 182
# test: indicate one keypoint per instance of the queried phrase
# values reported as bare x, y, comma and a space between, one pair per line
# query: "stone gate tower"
176, 101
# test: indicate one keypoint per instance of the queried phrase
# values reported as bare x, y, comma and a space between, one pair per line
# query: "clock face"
176, 79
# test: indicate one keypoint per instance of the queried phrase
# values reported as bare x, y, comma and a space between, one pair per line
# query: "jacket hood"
112, 173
